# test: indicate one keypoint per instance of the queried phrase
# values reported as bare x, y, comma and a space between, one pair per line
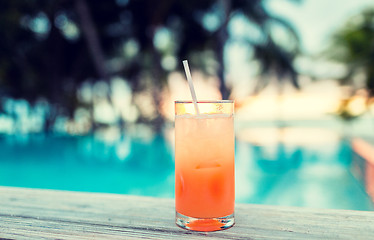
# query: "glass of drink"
204, 165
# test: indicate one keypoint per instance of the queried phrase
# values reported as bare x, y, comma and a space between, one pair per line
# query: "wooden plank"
49, 214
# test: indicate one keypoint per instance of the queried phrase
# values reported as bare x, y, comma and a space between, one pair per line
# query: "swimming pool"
277, 172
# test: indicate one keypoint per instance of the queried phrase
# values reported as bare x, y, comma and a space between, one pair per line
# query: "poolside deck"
49, 214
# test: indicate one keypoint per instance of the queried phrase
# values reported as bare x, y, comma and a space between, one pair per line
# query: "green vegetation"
353, 45
50, 48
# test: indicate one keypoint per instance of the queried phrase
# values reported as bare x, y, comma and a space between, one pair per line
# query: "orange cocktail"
204, 165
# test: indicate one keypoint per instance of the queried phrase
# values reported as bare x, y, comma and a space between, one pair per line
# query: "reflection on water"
129, 165
301, 167
283, 172
299, 176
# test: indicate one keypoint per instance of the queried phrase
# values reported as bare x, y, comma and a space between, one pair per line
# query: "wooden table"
49, 214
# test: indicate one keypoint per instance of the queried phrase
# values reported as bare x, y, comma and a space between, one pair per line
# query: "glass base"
204, 224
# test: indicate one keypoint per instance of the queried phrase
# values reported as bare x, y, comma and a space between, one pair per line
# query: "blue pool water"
277, 173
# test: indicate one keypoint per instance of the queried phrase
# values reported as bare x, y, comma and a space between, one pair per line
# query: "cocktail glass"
204, 165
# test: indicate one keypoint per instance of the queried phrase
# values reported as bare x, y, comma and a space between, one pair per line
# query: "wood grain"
50, 214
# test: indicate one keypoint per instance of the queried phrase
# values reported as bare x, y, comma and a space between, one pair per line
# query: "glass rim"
204, 101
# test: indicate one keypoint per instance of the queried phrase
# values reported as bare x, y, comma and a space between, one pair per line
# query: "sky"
317, 20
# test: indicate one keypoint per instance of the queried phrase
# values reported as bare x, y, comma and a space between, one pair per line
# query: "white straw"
192, 89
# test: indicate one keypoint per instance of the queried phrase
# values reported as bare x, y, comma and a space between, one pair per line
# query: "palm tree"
185, 22
353, 45
274, 58
50, 63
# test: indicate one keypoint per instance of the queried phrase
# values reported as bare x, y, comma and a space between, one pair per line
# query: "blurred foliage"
50, 47
354, 46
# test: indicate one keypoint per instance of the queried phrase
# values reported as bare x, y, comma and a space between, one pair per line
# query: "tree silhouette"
353, 45
50, 47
